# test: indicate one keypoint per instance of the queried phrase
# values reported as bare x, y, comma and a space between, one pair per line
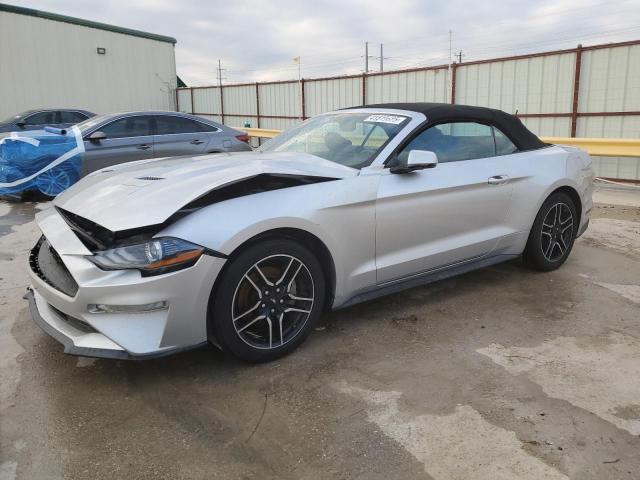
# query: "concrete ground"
501, 373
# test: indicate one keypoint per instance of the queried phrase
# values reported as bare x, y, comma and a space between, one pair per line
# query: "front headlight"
153, 257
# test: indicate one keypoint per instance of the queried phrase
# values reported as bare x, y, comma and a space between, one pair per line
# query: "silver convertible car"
246, 250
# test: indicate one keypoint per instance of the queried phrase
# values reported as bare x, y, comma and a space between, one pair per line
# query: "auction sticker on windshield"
380, 118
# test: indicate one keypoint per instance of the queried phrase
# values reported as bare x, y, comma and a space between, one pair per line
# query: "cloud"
256, 40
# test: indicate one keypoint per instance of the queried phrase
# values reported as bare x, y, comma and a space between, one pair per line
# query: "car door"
127, 139
71, 117
39, 120
176, 135
457, 211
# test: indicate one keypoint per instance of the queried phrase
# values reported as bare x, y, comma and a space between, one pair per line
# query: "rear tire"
552, 234
268, 300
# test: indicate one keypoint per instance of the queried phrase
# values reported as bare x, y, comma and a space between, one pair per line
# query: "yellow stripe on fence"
608, 147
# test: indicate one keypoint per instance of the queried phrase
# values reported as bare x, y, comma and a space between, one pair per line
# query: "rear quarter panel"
541, 172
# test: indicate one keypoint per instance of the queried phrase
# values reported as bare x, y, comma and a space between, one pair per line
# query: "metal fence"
591, 91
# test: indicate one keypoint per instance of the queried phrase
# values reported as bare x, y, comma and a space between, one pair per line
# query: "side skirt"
425, 278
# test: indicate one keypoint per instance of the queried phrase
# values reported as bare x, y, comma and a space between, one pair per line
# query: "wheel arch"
303, 237
573, 194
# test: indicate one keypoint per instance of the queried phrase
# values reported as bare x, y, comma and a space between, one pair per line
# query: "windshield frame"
378, 159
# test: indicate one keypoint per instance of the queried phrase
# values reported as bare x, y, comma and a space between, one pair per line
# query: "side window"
169, 124
504, 146
67, 116
41, 118
206, 128
453, 142
137, 126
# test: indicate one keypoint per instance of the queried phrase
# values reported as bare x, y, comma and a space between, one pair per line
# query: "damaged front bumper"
66, 287
76, 339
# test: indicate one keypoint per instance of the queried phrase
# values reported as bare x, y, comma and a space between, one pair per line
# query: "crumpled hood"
148, 192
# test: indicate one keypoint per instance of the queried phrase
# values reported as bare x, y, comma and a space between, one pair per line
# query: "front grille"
47, 264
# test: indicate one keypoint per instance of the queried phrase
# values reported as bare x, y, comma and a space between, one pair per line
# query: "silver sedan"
246, 250
124, 137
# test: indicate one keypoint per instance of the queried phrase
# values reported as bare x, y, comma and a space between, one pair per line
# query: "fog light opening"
146, 308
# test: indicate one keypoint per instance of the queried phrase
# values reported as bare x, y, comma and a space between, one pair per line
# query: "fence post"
221, 105
258, 111
453, 82
257, 105
364, 89
191, 92
303, 109
576, 91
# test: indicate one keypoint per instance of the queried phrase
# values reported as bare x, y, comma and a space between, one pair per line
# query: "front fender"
340, 214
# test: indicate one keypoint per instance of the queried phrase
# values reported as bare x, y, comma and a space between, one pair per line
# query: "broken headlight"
153, 257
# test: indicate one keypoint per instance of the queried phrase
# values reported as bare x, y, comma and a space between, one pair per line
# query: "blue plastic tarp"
46, 160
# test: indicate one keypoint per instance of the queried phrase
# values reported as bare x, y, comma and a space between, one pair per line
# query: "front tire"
268, 300
553, 233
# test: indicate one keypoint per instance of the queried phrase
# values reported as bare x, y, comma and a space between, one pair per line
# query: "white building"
54, 61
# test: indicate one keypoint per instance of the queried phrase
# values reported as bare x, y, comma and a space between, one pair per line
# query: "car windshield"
91, 122
351, 138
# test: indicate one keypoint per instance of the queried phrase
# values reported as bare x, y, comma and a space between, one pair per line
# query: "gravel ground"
501, 373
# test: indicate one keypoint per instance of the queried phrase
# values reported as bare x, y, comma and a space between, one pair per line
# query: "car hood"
148, 192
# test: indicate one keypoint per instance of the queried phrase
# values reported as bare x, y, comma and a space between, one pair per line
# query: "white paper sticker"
382, 118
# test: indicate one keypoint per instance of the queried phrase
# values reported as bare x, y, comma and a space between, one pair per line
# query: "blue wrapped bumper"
45, 160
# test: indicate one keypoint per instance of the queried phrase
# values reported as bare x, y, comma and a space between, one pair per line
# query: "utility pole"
459, 55
220, 78
366, 57
219, 75
381, 59
297, 60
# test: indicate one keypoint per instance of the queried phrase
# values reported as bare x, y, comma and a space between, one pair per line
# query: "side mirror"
97, 136
417, 160
21, 124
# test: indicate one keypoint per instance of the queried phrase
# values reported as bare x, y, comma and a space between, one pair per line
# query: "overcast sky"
257, 40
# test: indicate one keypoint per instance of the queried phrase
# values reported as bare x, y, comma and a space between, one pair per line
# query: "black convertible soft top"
510, 125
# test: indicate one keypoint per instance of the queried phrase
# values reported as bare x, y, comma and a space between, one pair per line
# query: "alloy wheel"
273, 301
53, 182
557, 231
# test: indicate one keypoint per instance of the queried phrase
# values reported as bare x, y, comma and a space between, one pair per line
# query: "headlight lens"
153, 257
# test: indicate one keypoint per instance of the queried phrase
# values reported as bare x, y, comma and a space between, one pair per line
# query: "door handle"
498, 180
144, 146
196, 142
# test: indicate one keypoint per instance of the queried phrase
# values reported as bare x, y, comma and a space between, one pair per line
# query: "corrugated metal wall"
540, 87
610, 82
530, 85
416, 86
280, 99
205, 100
183, 96
46, 63
326, 95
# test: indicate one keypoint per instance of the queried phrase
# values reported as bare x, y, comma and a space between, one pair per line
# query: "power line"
477, 50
